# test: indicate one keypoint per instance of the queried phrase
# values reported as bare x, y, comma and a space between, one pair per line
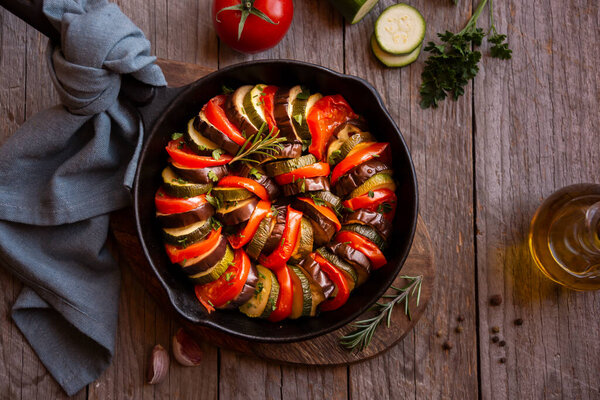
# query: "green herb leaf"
318, 201
176, 136
216, 153
226, 89
298, 118
371, 194
384, 208
213, 176
254, 173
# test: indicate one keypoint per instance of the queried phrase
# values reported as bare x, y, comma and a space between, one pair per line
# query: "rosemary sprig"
259, 144
361, 337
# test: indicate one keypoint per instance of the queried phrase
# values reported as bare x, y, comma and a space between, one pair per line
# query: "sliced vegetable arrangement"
276, 202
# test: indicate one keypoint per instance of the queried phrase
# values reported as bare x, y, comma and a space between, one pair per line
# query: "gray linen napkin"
61, 174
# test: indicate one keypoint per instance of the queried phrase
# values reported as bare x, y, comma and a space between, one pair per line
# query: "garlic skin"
158, 365
186, 350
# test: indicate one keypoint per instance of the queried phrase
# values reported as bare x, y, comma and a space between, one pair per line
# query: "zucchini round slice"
178, 187
227, 194
342, 265
302, 296
212, 274
367, 232
273, 295
378, 181
260, 237
400, 29
283, 167
256, 305
195, 141
393, 60
186, 235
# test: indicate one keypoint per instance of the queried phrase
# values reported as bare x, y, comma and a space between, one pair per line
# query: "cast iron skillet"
168, 110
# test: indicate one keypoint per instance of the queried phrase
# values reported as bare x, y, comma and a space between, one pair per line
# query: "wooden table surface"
523, 129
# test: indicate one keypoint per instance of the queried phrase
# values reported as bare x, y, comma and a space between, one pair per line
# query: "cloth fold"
61, 174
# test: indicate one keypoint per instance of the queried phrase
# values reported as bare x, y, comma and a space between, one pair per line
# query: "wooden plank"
440, 142
321, 46
537, 130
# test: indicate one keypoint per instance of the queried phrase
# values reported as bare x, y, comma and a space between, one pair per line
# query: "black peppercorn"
502, 360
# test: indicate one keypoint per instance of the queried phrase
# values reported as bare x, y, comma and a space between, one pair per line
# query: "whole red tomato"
250, 26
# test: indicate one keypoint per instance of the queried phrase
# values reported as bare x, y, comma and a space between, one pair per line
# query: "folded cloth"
61, 174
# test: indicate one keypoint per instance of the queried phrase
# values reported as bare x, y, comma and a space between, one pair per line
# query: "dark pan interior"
365, 101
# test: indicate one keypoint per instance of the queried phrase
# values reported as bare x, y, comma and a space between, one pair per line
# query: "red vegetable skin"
182, 155
338, 280
364, 245
178, 254
278, 258
166, 204
257, 33
310, 171
374, 150
283, 308
216, 115
242, 238
245, 183
268, 104
228, 286
374, 202
324, 116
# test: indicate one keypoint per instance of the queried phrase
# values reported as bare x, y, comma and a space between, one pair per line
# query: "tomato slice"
363, 155
324, 116
326, 211
337, 277
277, 259
372, 201
283, 308
364, 245
245, 183
182, 155
178, 254
215, 114
268, 104
260, 212
166, 204
229, 285
310, 171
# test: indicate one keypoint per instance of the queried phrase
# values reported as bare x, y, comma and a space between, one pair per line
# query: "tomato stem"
246, 8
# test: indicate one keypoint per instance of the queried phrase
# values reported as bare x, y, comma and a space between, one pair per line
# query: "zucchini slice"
209, 131
283, 167
377, 181
256, 305
347, 269
235, 111
367, 232
197, 142
302, 296
283, 109
272, 297
304, 245
393, 60
178, 187
228, 194
354, 10
348, 145
186, 235
212, 274
400, 29
300, 108
331, 199
260, 237
316, 292
253, 106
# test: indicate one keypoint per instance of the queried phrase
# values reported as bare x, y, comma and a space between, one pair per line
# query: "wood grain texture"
440, 143
539, 115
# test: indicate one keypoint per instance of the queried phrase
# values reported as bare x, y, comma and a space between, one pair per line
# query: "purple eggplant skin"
200, 213
318, 276
268, 183
286, 150
274, 239
216, 136
357, 176
372, 218
235, 117
201, 175
305, 185
360, 124
239, 215
323, 228
280, 112
247, 291
353, 257
209, 261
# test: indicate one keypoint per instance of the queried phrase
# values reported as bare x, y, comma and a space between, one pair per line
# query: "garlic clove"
158, 366
186, 350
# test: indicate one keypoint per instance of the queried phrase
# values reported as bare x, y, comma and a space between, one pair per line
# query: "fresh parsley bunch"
454, 63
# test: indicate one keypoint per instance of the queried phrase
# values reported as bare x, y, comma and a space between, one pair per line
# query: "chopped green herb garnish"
176, 136
179, 180
254, 173
298, 118
213, 176
384, 208
318, 201
303, 186
226, 89
229, 275
216, 154
371, 194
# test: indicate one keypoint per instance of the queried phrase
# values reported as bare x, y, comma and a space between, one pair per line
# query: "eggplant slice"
323, 227
358, 175
207, 260
305, 185
257, 174
209, 131
238, 212
319, 277
247, 291
200, 213
372, 218
201, 175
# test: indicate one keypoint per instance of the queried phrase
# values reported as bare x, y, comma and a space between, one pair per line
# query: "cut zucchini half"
212, 274
342, 265
400, 29
253, 106
302, 296
186, 235
331, 199
354, 10
273, 295
197, 142
229, 194
283, 167
257, 303
367, 232
347, 146
178, 187
377, 181
304, 245
392, 60
260, 237
299, 109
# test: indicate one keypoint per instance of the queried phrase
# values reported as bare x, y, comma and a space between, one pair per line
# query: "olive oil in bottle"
564, 237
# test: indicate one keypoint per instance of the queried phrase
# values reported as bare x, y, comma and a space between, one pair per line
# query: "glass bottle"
564, 237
